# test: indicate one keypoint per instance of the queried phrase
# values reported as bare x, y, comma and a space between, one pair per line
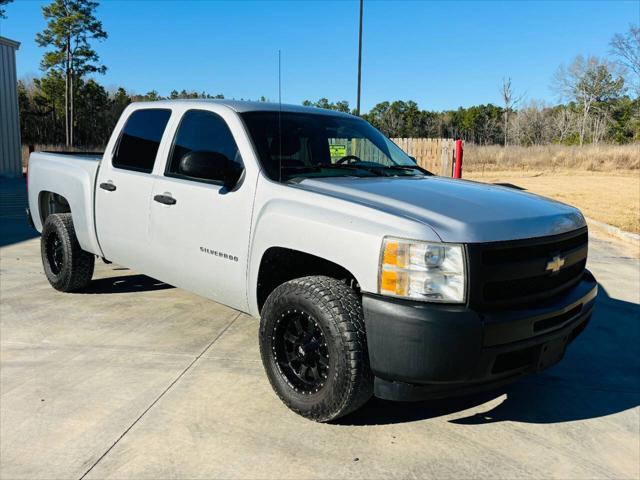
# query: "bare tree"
587, 82
599, 126
564, 122
531, 124
507, 97
510, 102
626, 47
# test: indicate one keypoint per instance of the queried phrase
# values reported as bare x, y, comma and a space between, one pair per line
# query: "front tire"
313, 347
67, 267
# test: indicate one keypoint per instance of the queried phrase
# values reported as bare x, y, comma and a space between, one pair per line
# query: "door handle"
165, 199
109, 187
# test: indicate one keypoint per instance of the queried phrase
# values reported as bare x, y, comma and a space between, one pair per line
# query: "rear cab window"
140, 139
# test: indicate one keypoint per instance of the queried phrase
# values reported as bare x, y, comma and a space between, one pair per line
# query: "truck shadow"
599, 376
125, 284
13, 220
15, 229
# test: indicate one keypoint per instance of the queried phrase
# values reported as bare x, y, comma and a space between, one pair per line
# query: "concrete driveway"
136, 379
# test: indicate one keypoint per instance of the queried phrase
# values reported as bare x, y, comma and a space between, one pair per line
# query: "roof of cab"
241, 106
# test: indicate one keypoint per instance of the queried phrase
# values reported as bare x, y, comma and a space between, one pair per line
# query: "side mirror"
210, 166
232, 174
414, 159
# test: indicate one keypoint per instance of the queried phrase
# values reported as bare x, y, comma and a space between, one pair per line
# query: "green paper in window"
338, 150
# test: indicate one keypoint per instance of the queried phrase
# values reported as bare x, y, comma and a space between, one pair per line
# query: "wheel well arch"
50, 203
279, 265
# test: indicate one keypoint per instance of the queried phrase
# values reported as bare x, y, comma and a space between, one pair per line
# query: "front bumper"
421, 350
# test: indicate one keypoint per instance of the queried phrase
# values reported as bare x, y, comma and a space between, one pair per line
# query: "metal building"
10, 162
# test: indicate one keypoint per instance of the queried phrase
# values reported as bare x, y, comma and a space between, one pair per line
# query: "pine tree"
70, 26
3, 12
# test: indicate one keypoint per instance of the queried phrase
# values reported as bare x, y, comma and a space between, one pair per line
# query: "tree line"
601, 104
96, 110
42, 117
600, 97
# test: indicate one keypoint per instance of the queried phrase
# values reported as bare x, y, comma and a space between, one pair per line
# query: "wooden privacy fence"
435, 154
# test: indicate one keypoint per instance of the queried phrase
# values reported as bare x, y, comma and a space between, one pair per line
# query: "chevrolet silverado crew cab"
370, 275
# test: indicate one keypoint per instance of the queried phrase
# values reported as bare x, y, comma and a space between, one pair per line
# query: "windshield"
317, 145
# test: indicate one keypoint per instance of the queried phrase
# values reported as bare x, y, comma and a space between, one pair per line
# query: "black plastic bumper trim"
545, 353
438, 346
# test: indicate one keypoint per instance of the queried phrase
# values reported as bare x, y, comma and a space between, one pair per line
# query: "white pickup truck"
369, 274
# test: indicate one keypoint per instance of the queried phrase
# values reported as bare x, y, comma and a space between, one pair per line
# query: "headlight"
431, 272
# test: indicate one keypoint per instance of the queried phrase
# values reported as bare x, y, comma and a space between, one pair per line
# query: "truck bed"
71, 175
80, 155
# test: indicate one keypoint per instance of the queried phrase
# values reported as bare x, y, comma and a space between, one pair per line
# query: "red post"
457, 168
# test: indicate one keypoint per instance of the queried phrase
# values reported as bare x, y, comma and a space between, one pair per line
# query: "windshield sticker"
338, 150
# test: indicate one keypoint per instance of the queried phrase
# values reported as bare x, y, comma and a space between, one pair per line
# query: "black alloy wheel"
300, 351
67, 267
314, 348
55, 252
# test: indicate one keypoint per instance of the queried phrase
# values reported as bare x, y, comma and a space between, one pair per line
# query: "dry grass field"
551, 158
610, 197
601, 180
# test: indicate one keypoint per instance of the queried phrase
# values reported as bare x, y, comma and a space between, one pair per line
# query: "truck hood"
458, 210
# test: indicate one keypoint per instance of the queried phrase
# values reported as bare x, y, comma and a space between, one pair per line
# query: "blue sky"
440, 54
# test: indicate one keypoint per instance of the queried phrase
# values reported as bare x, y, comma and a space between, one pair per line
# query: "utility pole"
359, 61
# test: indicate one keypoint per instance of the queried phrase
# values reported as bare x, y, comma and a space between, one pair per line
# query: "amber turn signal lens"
394, 282
390, 256
389, 280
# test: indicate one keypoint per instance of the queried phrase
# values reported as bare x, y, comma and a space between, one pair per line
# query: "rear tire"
67, 267
313, 347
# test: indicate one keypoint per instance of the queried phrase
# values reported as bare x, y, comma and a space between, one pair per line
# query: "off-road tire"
337, 309
76, 267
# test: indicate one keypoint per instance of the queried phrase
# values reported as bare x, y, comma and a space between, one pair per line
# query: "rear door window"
140, 139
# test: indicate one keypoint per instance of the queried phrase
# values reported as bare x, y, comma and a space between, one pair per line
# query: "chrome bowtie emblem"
555, 264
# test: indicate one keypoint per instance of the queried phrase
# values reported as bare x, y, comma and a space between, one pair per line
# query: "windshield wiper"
375, 170
314, 168
405, 167
345, 166
319, 168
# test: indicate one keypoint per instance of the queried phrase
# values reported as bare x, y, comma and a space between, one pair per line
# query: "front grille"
503, 290
514, 274
494, 256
